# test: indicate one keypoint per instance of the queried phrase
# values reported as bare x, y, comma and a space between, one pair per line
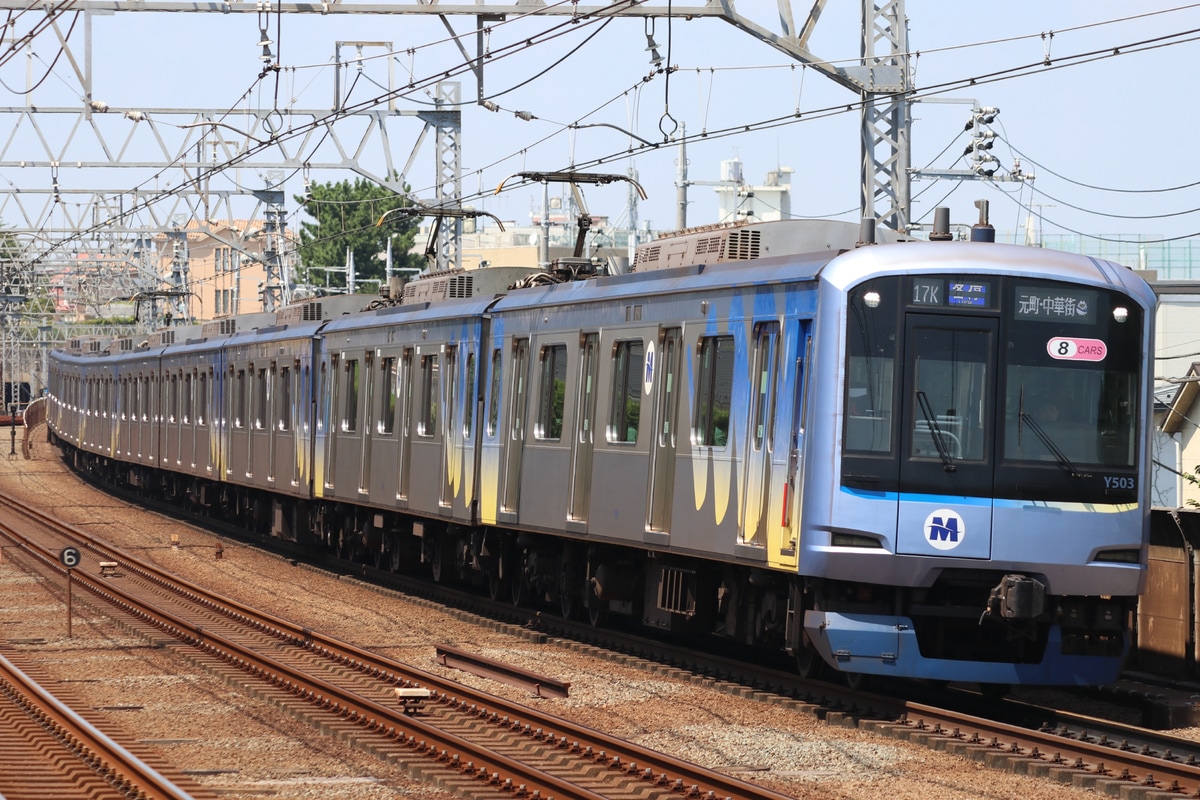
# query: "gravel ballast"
247, 749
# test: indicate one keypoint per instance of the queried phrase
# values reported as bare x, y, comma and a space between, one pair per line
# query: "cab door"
946, 441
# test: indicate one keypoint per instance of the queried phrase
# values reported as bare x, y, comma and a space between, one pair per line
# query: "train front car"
989, 502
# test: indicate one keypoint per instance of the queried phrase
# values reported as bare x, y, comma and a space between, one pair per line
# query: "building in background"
218, 272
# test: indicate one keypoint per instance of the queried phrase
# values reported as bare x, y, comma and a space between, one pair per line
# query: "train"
871, 454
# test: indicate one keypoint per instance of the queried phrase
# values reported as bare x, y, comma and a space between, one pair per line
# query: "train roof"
986, 258
746, 240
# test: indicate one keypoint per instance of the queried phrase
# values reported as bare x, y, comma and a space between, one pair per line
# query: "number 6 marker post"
69, 558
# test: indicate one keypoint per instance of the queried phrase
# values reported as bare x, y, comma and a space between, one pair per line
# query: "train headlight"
871, 299
1120, 313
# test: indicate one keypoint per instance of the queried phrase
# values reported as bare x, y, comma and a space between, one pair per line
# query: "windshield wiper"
935, 432
1060, 457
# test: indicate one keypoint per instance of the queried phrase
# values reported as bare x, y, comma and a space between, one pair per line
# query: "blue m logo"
943, 530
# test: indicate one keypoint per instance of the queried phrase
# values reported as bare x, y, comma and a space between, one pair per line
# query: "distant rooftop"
1173, 261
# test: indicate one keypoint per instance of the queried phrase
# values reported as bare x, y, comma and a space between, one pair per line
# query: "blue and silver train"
913, 459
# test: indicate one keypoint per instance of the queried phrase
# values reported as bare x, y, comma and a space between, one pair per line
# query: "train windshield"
992, 386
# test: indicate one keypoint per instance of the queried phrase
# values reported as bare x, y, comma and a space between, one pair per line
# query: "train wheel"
994, 692
597, 615
345, 543
858, 681
809, 663
516, 581
570, 581
441, 560
496, 582
499, 571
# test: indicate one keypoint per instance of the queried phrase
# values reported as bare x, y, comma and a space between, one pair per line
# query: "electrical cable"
942, 88
1044, 168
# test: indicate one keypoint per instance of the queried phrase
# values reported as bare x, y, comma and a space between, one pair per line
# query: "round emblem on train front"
945, 529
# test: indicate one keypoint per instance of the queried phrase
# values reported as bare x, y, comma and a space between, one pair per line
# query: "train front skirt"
887, 645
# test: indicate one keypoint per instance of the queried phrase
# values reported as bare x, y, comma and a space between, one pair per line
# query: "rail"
112, 764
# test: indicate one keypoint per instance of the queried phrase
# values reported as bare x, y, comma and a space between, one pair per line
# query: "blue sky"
1118, 122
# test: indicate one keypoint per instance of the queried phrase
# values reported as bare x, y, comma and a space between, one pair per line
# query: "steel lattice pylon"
449, 186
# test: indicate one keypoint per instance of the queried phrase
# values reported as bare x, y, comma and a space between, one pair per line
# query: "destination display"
1055, 304
951, 292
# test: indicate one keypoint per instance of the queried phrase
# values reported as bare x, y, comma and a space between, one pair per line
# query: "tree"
13, 271
346, 215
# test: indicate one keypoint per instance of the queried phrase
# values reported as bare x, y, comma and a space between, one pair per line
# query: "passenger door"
368, 426
449, 434
405, 397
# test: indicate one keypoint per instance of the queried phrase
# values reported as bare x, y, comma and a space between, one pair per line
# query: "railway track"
49, 750
1038, 741
478, 743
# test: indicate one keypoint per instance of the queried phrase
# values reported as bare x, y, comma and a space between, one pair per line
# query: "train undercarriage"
955, 620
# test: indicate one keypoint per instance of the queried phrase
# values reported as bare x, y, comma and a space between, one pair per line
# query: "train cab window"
870, 371
430, 395
1064, 407
552, 396
951, 374
714, 391
283, 400
469, 400
494, 393
625, 413
388, 392
350, 397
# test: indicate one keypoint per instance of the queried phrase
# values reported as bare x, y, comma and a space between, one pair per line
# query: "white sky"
1121, 122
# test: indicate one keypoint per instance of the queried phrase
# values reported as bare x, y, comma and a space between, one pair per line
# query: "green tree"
346, 215
12, 258
1194, 480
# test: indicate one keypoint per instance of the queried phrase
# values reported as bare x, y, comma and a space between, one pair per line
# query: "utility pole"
681, 182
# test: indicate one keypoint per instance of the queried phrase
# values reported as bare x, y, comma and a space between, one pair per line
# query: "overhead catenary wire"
1023, 70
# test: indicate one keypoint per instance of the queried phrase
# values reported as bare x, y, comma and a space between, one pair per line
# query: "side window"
260, 400
173, 402
283, 396
203, 399
714, 388
186, 414
552, 386
626, 409
239, 394
387, 395
451, 386
427, 421
494, 393
350, 397
469, 400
